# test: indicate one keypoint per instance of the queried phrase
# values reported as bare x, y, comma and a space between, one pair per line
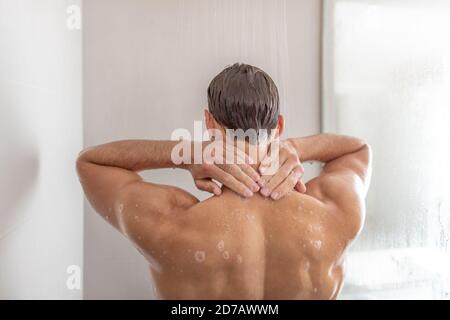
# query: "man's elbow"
366, 165
80, 166
82, 163
367, 153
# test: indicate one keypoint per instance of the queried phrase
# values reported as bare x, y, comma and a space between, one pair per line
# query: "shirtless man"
257, 237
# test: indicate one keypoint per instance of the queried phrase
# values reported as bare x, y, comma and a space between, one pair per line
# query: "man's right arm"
345, 178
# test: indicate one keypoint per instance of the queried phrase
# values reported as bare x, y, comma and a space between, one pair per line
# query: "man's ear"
209, 120
280, 126
215, 129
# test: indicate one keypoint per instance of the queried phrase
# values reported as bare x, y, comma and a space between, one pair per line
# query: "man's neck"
256, 152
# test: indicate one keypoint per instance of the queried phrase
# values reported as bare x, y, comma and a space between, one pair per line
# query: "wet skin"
230, 247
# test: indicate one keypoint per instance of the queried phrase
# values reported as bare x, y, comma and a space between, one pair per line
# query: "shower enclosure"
140, 69
386, 78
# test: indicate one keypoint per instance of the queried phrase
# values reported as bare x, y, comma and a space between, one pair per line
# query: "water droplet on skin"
310, 212
317, 244
136, 218
249, 217
239, 259
221, 245
306, 266
317, 227
200, 256
315, 290
136, 205
226, 255
120, 208
107, 217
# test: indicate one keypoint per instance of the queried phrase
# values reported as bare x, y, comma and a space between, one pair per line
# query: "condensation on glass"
386, 79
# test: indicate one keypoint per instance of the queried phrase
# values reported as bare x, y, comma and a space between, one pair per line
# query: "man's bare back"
229, 246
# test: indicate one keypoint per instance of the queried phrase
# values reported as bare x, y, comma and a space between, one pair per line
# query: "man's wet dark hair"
244, 97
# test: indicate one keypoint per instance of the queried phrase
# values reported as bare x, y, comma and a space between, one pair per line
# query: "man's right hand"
240, 176
243, 179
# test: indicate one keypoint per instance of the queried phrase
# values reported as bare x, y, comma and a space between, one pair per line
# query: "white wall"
41, 133
146, 67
